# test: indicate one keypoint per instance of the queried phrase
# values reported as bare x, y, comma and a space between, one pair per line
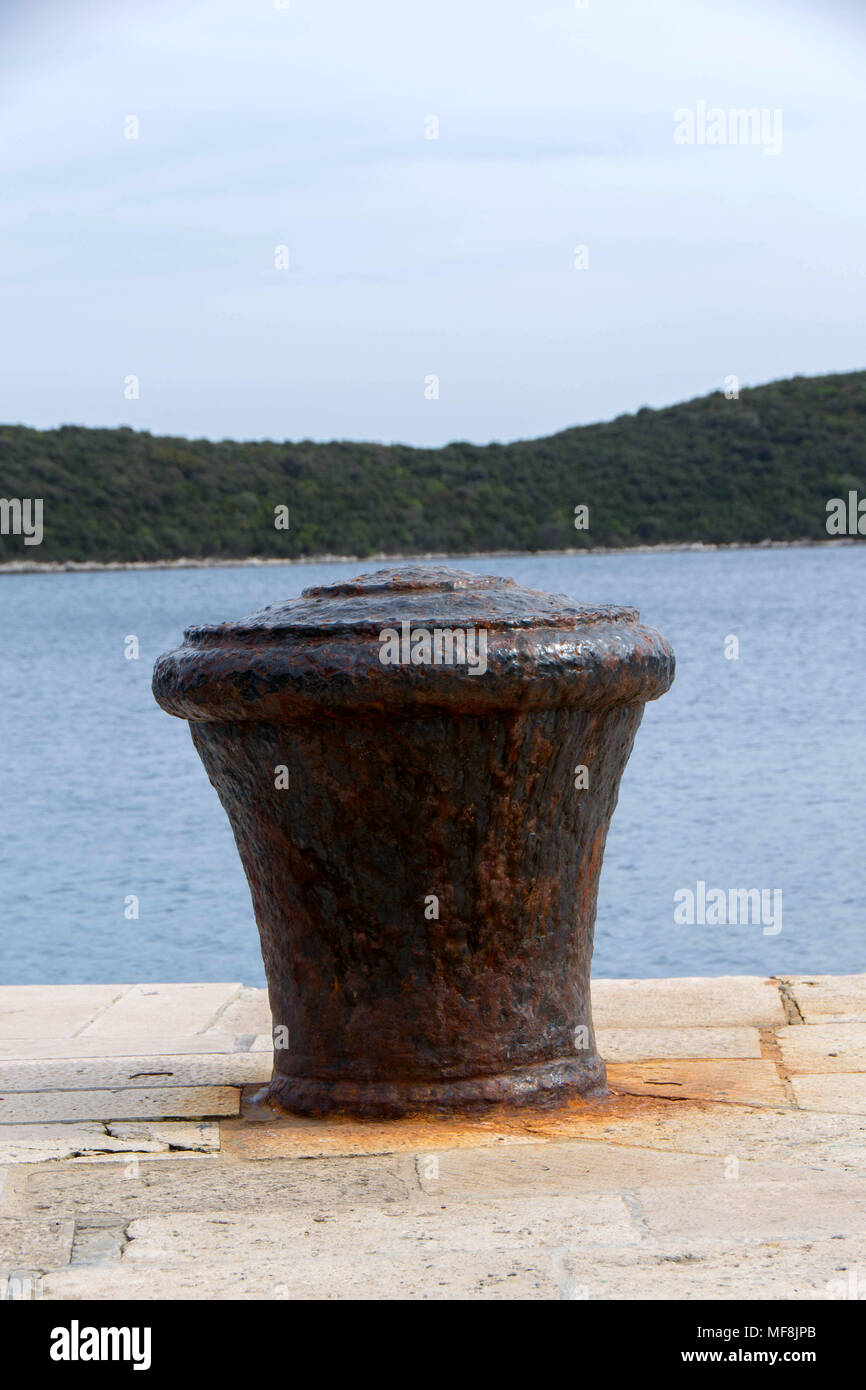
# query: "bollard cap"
415, 641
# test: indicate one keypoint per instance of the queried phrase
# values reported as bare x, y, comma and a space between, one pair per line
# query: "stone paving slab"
814, 1140
166, 1009
739, 1213
203, 1135
824, 1047
743, 1211
779, 1270
295, 1275
728, 1162
340, 1137
649, 1044
125, 1073
842, 1092
249, 1012
39, 1143
121, 1193
481, 1226
34, 1244
820, 1270
775, 1272
98, 1245
177, 1102
39, 1012
819, 998
67, 1049
554, 1170
725, 1002
745, 1082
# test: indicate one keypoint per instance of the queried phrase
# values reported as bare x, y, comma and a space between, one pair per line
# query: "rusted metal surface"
424, 872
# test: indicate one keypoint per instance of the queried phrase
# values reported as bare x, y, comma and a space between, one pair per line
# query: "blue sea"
750, 773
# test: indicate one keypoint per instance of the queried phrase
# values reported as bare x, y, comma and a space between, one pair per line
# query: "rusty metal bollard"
420, 766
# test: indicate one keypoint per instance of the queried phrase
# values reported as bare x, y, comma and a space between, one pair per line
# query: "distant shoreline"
215, 562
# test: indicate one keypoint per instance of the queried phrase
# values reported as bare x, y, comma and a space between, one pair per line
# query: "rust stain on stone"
259, 1134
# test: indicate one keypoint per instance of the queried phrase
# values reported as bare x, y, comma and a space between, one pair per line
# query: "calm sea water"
750, 773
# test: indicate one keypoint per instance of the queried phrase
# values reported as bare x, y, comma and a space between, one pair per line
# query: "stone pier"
728, 1162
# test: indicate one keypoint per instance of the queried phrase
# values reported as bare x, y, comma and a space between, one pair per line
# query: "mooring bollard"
420, 766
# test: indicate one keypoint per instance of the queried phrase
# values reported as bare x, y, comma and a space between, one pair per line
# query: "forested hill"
711, 469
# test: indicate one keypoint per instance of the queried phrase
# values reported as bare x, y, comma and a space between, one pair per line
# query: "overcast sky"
408, 258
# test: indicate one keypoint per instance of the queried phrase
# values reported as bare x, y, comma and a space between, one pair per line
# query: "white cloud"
305, 127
